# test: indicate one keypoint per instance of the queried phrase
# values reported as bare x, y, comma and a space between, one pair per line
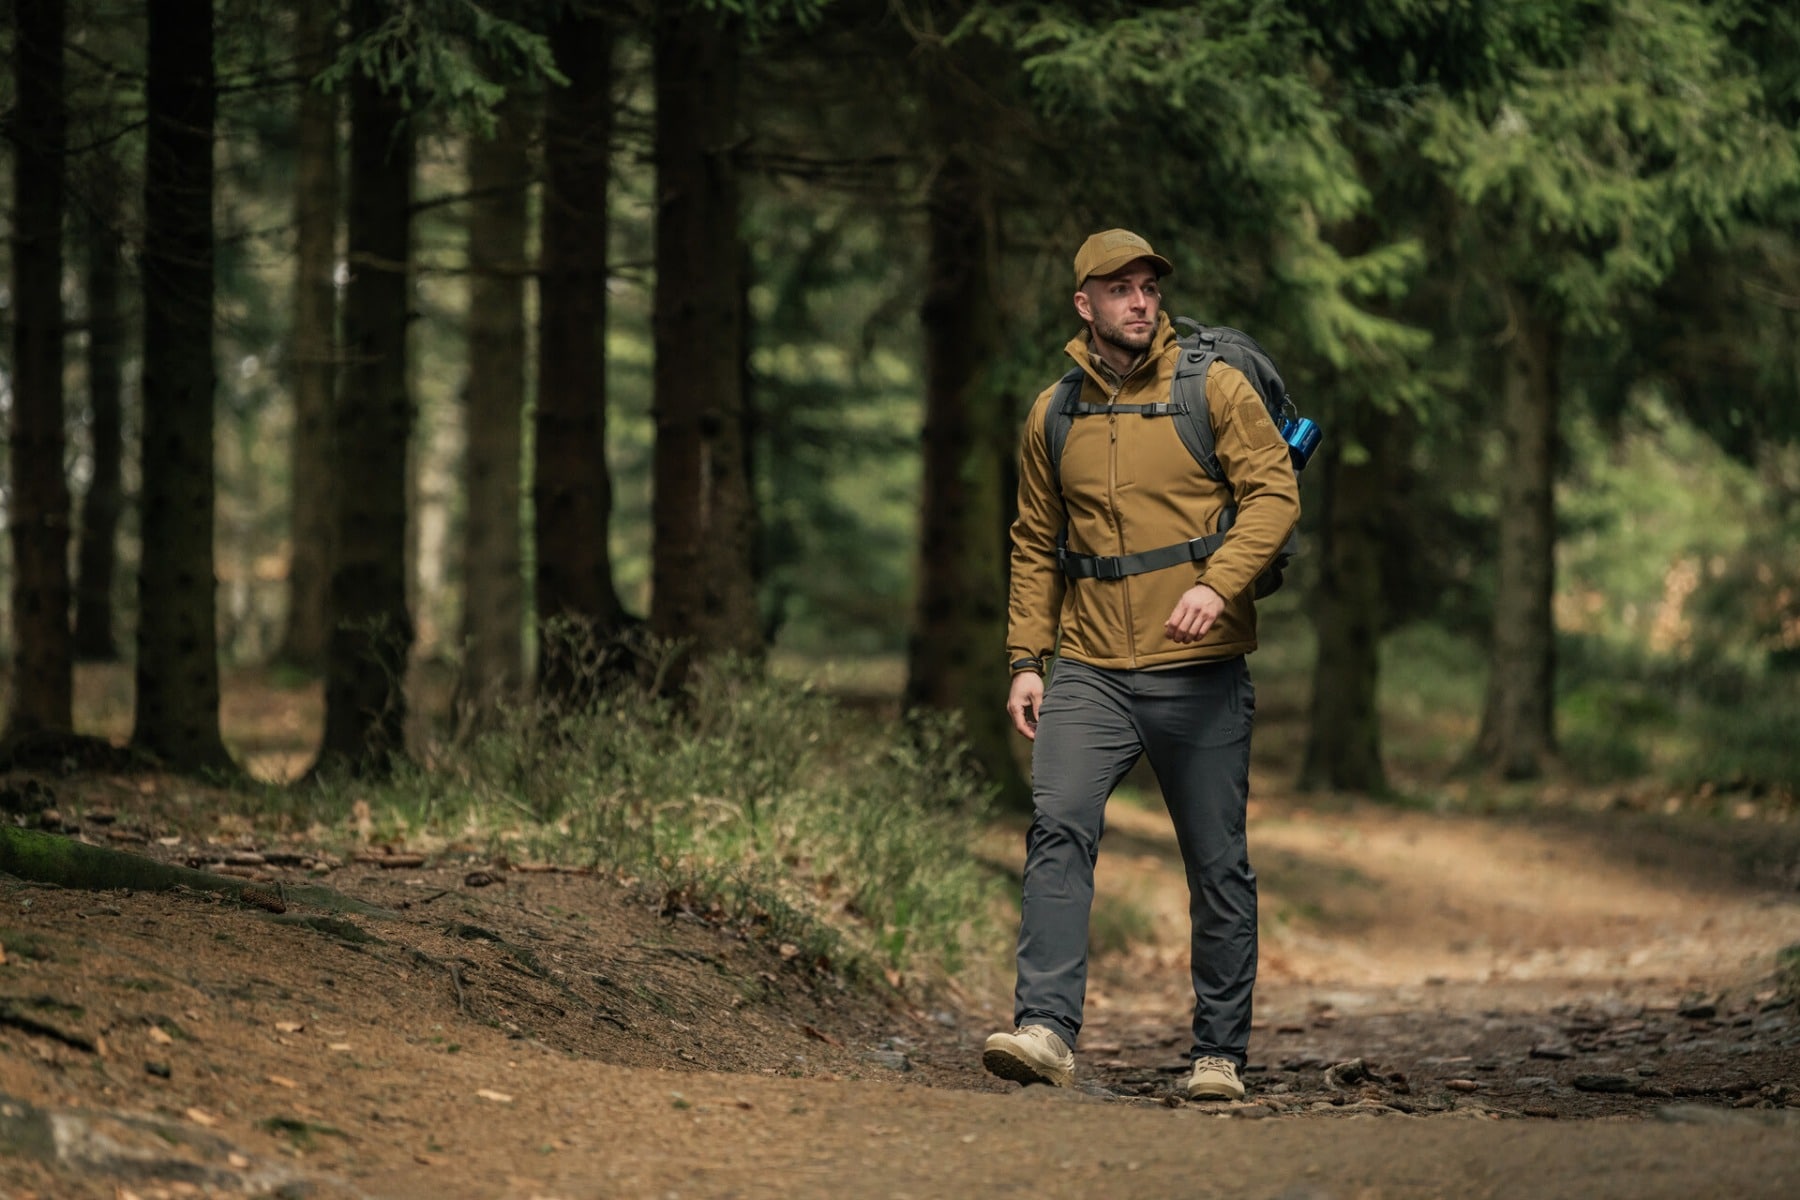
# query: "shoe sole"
1203, 1094
1010, 1066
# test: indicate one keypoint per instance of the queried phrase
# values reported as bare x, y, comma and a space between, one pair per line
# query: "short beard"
1115, 335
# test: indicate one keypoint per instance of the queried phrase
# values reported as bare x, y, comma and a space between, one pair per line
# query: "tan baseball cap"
1104, 253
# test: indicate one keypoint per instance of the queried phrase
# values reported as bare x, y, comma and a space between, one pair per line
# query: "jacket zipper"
1112, 499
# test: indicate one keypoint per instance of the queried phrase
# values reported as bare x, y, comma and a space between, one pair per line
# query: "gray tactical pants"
1193, 723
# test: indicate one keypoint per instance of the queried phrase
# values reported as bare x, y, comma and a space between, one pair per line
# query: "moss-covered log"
50, 858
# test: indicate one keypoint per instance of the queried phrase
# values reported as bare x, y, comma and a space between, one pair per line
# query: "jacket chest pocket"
1152, 462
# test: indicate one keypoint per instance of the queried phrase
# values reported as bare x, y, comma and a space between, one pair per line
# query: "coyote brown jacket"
1129, 484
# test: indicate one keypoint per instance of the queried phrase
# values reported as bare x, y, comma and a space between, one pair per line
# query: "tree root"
51, 858
12, 1013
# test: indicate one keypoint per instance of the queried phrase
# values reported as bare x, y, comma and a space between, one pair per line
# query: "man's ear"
1083, 306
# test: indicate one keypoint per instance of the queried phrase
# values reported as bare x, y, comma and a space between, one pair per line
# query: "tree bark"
177, 648
494, 586
313, 349
954, 659
1343, 749
577, 604
97, 552
42, 695
1517, 735
371, 627
703, 593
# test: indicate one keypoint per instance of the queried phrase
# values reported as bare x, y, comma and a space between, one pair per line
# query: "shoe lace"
1214, 1063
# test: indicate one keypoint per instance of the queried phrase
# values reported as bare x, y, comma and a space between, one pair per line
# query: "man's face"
1121, 308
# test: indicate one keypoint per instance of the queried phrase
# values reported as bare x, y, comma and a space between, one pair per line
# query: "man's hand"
1024, 701
1194, 614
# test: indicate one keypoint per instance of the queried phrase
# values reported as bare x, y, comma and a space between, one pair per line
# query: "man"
1148, 664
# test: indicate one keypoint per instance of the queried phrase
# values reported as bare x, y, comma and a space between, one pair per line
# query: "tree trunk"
578, 610
43, 674
494, 587
703, 593
954, 662
371, 628
97, 555
313, 350
1517, 725
177, 648
1343, 749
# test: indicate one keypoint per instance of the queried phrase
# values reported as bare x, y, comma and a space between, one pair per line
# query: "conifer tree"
578, 611
493, 580
703, 596
177, 709
42, 691
371, 624
313, 346
1624, 134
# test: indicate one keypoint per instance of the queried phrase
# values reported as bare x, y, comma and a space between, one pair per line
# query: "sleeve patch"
1253, 419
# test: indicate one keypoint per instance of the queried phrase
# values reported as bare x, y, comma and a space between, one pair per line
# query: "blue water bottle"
1302, 435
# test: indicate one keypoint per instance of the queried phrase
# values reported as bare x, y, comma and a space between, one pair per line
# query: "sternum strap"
1118, 566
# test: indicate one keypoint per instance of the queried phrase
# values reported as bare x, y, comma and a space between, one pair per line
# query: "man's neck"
1113, 360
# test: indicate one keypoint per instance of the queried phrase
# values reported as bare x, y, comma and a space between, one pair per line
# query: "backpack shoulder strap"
1059, 414
1187, 395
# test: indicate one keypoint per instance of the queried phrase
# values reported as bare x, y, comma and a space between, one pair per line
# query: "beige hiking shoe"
1214, 1079
1030, 1054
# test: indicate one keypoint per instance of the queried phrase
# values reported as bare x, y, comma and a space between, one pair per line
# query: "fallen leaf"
289, 1027
339, 1046
200, 1116
282, 1081
237, 1161
789, 951
160, 1036
821, 1035
496, 1097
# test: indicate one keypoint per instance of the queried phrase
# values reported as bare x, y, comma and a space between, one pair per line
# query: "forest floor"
1579, 997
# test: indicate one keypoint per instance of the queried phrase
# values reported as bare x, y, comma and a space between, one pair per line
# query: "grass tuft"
746, 799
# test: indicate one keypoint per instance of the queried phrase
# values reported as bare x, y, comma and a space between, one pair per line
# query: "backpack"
1187, 406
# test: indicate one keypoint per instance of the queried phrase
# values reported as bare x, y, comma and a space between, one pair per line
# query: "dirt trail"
552, 1035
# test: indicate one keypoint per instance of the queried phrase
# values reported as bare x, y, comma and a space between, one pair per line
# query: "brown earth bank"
1530, 1005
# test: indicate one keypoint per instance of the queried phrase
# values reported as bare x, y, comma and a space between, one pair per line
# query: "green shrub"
1750, 746
755, 800
1604, 726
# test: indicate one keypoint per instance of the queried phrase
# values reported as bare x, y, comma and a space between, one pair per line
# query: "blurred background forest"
478, 356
